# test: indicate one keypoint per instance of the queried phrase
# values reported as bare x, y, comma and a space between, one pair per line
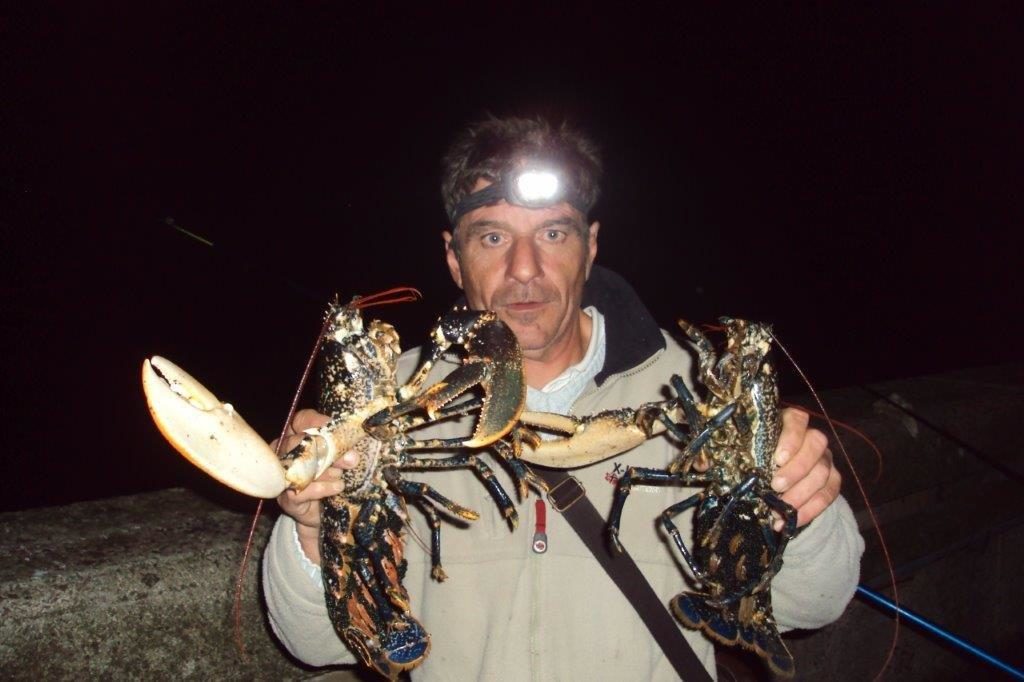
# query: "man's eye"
554, 236
491, 239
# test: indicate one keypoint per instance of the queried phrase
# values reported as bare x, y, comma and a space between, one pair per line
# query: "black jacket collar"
631, 334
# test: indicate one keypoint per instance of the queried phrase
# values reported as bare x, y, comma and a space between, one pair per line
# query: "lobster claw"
494, 362
209, 433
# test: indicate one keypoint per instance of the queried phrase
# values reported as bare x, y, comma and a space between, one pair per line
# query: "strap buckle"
569, 492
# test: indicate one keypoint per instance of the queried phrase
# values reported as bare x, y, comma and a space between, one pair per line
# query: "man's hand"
805, 478
304, 505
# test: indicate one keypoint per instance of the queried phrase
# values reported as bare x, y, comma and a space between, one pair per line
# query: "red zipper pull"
540, 538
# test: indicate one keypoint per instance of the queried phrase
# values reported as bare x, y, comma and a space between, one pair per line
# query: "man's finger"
331, 473
317, 490
801, 462
794, 426
348, 460
820, 500
804, 489
288, 504
308, 419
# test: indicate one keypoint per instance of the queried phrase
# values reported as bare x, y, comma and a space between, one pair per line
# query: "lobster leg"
501, 497
671, 426
424, 490
695, 445
427, 507
447, 412
364, 569
509, 450
713, 424
733, 495
633, 475
367, 531
787, 533
423, 494
788, 513
706, 358
668, 525
640, 476
693, 417
436, 444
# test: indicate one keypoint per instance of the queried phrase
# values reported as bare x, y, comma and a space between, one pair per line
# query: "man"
588, 344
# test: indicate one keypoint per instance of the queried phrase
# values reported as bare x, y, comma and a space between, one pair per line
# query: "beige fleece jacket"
506, 613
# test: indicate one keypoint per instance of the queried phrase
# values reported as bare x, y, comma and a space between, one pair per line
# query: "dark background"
849, 174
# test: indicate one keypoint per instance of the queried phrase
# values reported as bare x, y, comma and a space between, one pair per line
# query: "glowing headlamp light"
534, 188
529, 188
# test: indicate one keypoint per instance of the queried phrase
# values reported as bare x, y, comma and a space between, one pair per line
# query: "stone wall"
137, 587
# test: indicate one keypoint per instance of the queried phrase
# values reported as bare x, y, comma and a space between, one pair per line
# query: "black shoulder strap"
568, 497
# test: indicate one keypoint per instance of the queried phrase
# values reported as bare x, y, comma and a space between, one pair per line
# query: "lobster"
728, 449
361, 541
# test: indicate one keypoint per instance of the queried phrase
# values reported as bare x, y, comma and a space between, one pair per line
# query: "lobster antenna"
237, 608
863, 494
397, 294
416, 536
239, 583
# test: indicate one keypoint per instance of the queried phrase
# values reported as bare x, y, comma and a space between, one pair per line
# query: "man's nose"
524, 260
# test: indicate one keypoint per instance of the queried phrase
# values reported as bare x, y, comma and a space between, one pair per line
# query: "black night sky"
851, 175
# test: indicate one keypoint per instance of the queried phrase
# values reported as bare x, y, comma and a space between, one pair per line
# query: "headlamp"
530, 187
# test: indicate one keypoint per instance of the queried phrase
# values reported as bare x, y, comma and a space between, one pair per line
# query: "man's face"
528, 265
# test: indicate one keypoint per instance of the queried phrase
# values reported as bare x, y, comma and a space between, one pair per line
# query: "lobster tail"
365, 598
402, 647
756, 633
693, 611
765, 641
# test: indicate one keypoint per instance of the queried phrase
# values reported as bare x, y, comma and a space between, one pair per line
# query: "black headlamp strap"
491, 194
569, 498
501, 189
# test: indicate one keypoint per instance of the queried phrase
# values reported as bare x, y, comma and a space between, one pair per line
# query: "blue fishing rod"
933, 629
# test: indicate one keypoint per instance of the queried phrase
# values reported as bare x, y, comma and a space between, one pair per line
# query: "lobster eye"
751, 364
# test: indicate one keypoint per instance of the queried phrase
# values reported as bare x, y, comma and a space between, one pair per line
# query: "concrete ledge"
137, 587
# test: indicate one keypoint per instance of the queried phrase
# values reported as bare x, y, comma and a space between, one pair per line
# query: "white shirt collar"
561, 392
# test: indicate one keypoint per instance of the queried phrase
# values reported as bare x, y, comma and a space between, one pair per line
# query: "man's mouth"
524, 306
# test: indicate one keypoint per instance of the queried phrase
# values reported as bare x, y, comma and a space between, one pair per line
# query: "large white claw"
209, 433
